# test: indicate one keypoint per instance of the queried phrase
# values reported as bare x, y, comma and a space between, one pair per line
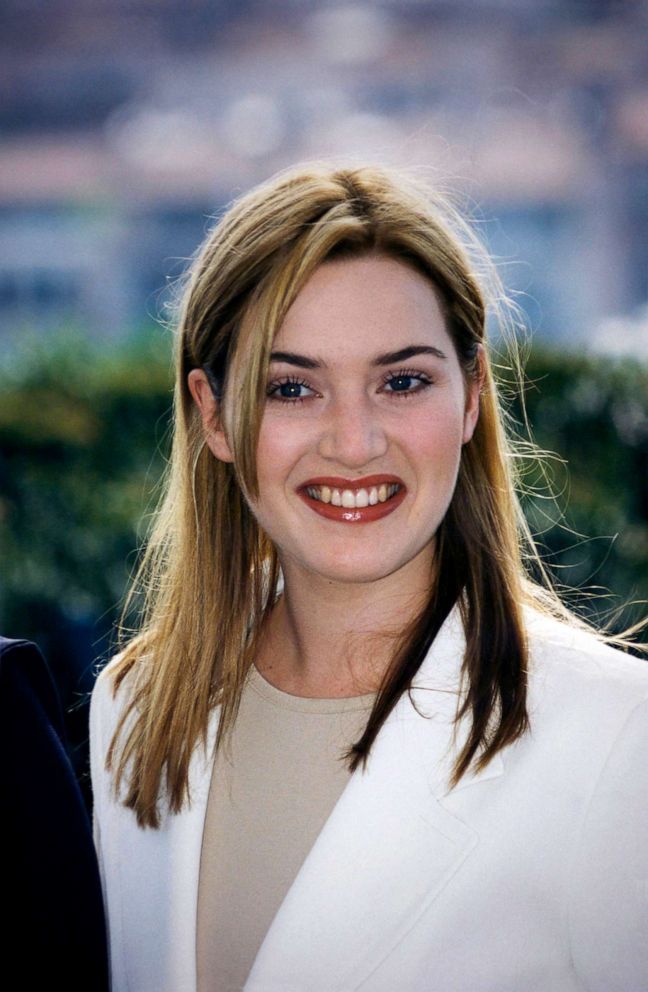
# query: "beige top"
269, 798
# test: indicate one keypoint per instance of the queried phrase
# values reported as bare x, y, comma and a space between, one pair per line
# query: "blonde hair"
209, 575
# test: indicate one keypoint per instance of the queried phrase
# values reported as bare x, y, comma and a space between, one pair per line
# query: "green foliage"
81, 450
592, 412
82, 447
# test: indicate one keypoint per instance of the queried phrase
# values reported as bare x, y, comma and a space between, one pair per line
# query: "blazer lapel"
387, 850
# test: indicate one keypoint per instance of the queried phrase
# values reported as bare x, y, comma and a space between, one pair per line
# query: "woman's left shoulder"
578, 663
588, 708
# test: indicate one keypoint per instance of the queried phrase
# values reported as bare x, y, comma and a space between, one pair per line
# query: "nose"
352, 433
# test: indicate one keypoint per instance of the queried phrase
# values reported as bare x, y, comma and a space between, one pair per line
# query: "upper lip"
366, 482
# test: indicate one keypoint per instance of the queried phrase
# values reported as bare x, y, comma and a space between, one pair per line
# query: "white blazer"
532, 875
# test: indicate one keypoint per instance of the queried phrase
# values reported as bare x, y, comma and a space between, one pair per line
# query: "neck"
328, 640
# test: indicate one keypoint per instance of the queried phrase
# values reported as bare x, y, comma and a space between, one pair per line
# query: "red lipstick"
384, 494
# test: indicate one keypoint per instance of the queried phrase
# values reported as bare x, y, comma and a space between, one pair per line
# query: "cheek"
280, 445
438, 437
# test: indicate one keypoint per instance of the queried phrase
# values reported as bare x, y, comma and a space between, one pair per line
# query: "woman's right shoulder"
110, 696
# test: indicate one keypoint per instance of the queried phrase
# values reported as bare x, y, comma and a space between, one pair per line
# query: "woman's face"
366, 414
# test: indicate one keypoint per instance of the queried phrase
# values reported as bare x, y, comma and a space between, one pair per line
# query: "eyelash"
272, 391
273, 388
421, 377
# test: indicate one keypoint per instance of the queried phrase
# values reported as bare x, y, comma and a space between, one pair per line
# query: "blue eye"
289, 390
400, 383
406, 382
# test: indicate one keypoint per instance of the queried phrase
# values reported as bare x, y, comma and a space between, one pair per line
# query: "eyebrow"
388, 358
412, 351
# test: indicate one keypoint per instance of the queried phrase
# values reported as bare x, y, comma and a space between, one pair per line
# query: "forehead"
370, 302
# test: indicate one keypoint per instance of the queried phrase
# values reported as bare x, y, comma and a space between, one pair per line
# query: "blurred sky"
127, 124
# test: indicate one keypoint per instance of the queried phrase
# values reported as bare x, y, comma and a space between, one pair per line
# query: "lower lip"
354, 514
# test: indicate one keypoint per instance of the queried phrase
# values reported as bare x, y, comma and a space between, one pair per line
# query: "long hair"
209, 574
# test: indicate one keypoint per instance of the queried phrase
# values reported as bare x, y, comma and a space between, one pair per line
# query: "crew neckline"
286, 700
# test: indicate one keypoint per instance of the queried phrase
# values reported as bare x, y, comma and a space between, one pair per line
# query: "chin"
354, 571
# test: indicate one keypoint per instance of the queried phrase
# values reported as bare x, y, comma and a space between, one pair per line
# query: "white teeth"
350, 499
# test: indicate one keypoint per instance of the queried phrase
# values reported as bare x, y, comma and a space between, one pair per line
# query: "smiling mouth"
354, 502
352, 499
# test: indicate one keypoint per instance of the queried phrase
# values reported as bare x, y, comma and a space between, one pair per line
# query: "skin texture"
353, 419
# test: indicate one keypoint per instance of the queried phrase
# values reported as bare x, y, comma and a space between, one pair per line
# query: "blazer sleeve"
98, 773
108, 817
609, 904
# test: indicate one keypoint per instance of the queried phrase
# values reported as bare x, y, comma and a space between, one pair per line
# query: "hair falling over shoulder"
209, 575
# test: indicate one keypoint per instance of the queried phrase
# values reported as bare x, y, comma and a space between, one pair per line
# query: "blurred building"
128, 124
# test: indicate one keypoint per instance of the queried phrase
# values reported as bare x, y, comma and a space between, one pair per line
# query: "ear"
473, 392
208, 406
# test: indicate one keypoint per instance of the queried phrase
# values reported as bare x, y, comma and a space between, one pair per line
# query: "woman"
353, 745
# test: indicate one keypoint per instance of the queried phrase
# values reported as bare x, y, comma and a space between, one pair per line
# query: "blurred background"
127, 125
